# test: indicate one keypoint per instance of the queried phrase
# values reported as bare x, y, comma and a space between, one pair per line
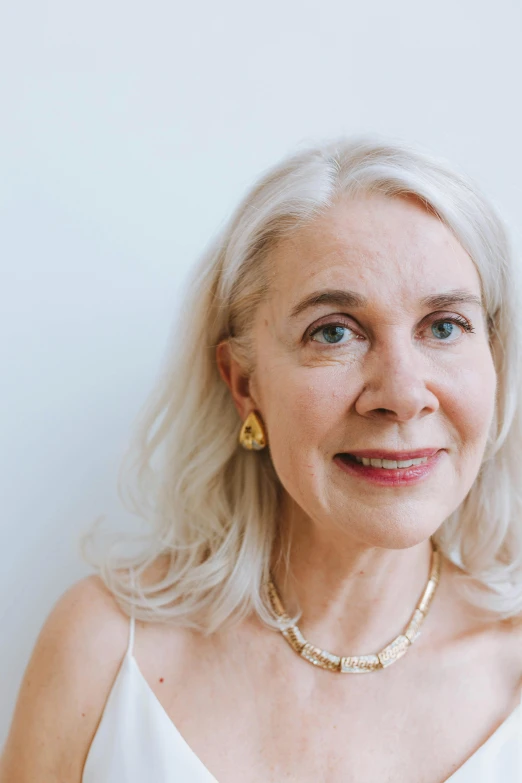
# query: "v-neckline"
516, 712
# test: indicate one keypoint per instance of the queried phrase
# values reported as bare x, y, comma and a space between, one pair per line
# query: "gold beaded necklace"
359, 664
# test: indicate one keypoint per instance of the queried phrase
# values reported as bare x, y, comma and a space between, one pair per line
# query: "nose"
397, 381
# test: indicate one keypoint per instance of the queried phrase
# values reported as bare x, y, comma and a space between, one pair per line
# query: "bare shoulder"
65, 686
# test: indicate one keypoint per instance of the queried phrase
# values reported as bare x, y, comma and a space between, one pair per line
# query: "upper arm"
65, 686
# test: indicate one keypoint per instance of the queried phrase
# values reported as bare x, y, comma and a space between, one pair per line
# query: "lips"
389, 475
392, 455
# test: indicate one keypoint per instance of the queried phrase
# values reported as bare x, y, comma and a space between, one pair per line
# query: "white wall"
127, 133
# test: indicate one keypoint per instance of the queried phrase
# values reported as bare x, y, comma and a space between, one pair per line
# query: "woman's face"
390, 372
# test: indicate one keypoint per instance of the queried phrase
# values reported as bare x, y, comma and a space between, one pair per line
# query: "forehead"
376, 243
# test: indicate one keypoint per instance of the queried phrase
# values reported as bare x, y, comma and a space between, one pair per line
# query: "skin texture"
390, 382
401, 377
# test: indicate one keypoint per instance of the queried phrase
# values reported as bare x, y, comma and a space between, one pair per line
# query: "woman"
335, 495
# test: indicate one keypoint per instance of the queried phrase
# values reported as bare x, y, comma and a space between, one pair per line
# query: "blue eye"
441, 328
332, 333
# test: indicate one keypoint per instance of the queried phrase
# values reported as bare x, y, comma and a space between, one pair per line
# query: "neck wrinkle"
354, 599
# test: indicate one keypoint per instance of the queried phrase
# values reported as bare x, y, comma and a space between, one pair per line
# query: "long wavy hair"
210, 507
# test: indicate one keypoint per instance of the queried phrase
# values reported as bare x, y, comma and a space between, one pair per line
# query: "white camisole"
136, 741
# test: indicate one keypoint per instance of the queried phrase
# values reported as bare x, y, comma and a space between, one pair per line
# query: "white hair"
210, 506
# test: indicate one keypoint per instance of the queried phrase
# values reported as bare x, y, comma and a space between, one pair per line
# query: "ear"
234, 377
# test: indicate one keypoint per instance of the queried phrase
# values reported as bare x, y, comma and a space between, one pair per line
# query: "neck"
354, 597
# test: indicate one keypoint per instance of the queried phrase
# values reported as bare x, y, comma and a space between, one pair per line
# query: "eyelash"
456, 319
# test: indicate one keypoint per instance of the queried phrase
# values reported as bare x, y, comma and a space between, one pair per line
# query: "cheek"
470, 403
304, 408
300, 415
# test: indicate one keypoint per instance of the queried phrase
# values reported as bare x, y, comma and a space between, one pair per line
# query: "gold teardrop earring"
252, 435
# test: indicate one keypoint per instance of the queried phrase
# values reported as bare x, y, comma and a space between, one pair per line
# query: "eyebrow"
351, 299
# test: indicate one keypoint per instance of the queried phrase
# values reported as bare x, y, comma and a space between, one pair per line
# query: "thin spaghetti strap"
132, 622
519, 743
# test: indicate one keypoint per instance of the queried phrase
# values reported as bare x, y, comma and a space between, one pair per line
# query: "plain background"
128, 133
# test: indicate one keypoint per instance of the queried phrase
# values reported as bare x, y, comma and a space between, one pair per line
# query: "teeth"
391, 464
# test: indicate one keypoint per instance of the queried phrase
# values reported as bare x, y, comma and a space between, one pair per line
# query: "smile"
389, 464
386, 472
